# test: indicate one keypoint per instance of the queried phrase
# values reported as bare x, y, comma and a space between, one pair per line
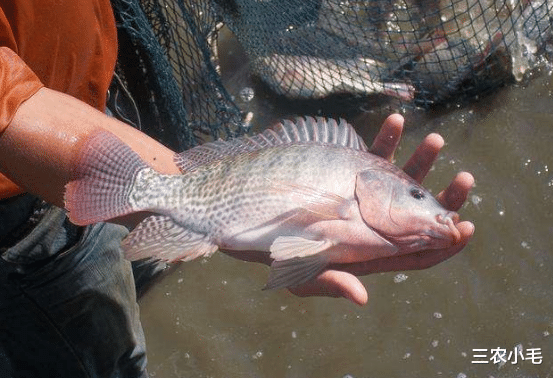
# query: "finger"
412, 261
385, 143
453, 197
422, 159
333, 283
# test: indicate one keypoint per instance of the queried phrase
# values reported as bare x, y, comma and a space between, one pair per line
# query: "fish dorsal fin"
320, 130
302, 130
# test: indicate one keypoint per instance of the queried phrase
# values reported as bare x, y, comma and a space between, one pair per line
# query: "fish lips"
441, 234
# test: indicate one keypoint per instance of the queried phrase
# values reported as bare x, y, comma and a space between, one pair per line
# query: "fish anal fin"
160, 238
294, 272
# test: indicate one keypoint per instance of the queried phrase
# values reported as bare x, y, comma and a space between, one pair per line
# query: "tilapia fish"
307, 192
310, 77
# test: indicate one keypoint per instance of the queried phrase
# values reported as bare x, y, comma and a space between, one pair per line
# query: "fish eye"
417, 194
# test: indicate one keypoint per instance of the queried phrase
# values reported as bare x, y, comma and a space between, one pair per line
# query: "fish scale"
250, 176
306, 192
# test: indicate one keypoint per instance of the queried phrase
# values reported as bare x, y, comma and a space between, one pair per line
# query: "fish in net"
418, 53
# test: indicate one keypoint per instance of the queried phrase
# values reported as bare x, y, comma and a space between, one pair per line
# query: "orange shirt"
67, 45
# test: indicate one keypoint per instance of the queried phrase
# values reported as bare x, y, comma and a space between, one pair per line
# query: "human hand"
340, 280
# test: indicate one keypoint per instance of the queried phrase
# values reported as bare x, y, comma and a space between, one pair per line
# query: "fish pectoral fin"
287, 247
295, 271
318, 202
160, 238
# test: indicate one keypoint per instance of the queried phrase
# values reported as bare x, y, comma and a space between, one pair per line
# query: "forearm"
38, 148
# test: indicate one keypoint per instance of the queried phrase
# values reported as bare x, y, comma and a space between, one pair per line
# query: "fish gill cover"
409, 52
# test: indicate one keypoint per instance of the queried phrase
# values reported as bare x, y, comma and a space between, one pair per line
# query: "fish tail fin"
103, 176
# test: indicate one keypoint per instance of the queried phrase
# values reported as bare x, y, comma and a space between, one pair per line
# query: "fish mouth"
449, 221
442, 235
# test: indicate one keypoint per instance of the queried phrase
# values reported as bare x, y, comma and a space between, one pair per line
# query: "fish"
311, 77
307, 192
308, 50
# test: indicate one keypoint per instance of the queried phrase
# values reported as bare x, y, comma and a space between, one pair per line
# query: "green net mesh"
417, 53
167, 60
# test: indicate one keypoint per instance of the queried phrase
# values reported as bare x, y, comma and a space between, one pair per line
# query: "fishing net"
417, 53
421, 51
167, 62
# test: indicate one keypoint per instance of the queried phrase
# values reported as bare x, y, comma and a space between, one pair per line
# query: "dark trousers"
67, 301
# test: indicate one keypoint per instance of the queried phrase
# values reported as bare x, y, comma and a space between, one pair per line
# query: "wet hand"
341, 280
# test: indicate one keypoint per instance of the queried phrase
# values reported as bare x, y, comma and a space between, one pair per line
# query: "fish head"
403, 212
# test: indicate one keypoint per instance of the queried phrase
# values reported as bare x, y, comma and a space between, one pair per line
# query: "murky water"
211, 319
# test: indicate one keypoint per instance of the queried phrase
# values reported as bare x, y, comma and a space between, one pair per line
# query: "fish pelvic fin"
160, 238
296, 260
103, 176
294, 272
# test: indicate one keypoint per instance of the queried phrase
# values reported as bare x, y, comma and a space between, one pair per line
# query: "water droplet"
400, 277
527, 162
437, 315
476, 200
247, 94
294, 335
461, 375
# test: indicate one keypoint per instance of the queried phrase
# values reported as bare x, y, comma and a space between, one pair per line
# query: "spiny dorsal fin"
303, 130
320, 130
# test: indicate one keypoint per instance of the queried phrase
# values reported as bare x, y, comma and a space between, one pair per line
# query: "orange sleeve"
8, 188
69, 46
17, 83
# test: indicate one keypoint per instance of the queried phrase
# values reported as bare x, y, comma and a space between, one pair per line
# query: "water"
211, 319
